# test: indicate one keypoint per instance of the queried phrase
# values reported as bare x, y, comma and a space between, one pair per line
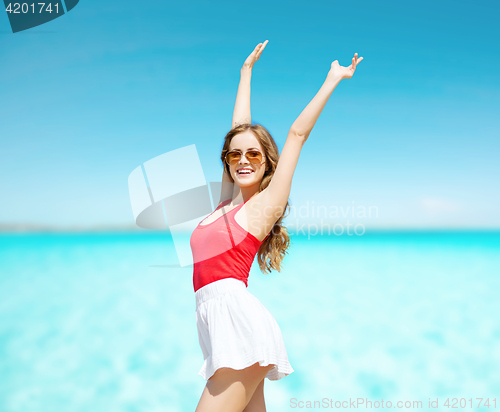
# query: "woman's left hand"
341, 72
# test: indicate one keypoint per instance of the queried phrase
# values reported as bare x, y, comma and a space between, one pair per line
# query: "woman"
240, 340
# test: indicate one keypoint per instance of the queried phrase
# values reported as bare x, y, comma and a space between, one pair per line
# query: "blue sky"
90, 96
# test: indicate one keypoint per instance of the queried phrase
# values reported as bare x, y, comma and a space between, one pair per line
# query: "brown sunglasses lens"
252, 156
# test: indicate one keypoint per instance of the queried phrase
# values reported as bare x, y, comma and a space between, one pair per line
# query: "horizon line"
133, 228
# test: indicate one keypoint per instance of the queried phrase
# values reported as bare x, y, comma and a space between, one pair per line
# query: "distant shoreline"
30, 228
34, 228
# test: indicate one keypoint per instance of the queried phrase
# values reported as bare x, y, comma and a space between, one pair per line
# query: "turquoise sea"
105, 322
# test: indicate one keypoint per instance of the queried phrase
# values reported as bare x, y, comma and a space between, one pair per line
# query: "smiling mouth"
244, 172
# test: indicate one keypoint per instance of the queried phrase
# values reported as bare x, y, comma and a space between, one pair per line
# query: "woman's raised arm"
307, 119
278, 190
241, 112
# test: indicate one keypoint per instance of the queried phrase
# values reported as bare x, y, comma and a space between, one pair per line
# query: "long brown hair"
273, 249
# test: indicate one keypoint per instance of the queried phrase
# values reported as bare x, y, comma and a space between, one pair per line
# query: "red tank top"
222, 249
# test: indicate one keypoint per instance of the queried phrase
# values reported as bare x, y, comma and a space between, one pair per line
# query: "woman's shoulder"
223, 203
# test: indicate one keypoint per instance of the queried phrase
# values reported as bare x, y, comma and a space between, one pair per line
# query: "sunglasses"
253, 156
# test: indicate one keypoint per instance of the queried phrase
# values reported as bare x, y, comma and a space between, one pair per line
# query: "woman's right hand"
255, 55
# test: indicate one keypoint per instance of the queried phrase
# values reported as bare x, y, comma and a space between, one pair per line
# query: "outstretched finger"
262, 48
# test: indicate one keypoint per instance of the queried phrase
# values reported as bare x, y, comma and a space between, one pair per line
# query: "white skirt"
235, 330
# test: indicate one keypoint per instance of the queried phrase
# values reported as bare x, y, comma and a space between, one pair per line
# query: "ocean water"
105, 322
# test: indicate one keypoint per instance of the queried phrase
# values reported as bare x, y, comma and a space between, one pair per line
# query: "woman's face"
244, 142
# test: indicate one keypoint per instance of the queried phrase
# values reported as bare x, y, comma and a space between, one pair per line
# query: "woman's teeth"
245, 172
